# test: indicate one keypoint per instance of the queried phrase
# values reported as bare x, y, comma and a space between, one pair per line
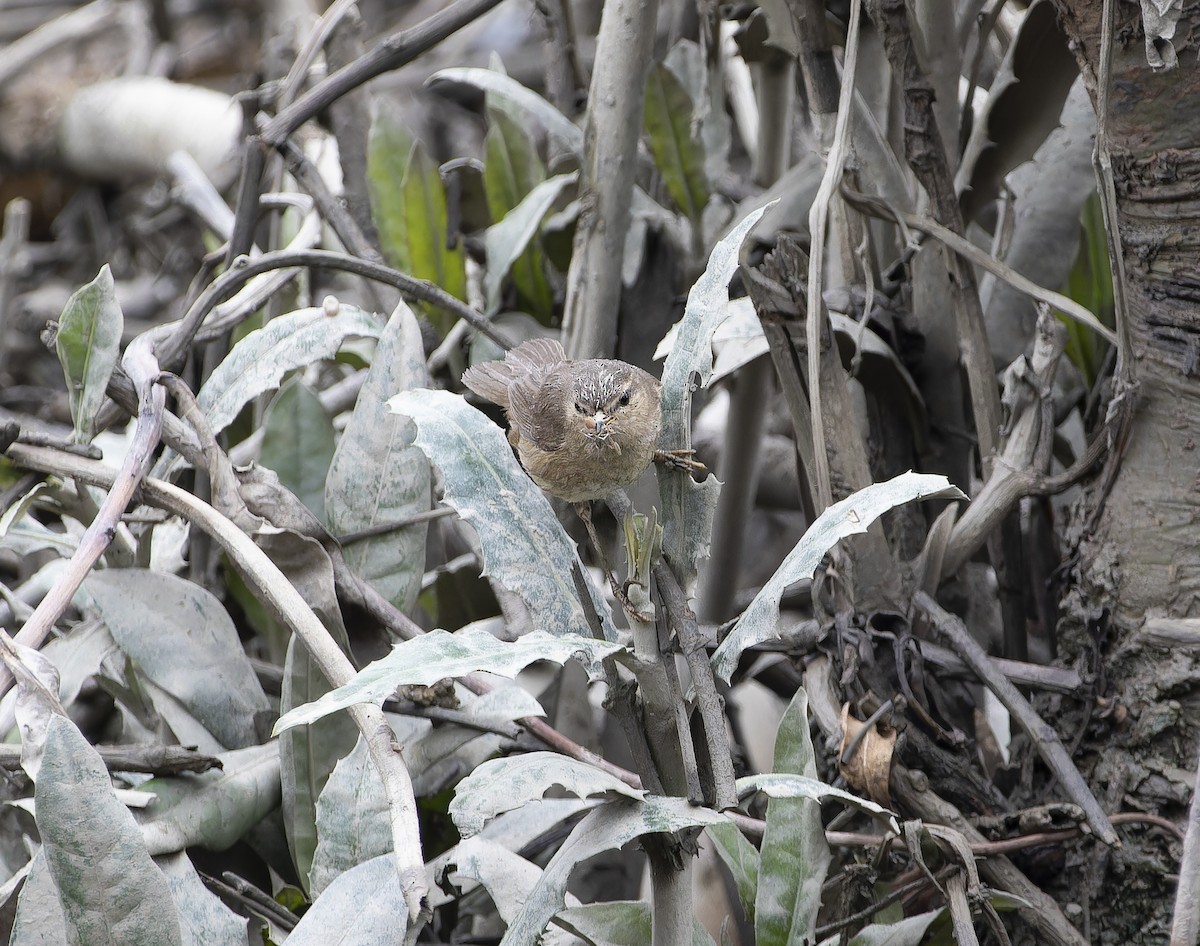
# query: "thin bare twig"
1044, 738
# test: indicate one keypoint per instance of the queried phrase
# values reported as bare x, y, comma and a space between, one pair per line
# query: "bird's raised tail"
492, 379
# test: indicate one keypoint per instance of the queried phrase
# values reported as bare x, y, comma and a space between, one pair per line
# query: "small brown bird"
581, 428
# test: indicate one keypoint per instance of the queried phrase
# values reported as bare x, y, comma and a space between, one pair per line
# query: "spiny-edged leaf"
434, 656
678, 155
509, 239
687, 507
378, 477
520, 103
741, 859
603, 829
88, 343
215, 808
794, 858
524, 547
620, 923
1023, 106
353, 824
787, 785
501, 785
308, 754
408, 203
513, 168
258, 362
361, 906
298, 442
851, 516
204, 919
179, 636
110, 890
907, 932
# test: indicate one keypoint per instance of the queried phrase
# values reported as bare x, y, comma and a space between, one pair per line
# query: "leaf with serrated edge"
88, 342
434, 656
687, 507
851, 516
501, 785
784, 785
524, 546
259, 361
603, 829
109, 888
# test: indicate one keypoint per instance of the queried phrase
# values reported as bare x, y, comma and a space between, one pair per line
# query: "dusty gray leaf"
620, 923
687, 507
605, 828
203, 917
353, 824
377, 475
180, 637
213, 809
111, 891
524, 546
504, 784
851, 516
431, 657
363, 906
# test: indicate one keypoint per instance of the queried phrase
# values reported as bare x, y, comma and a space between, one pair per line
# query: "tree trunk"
1139, 548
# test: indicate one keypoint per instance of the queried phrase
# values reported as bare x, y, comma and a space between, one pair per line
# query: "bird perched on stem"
581, 428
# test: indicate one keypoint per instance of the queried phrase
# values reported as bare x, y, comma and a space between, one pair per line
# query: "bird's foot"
680, 460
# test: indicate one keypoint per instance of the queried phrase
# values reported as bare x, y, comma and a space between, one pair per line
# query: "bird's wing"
537, 406
490, 379
535, 353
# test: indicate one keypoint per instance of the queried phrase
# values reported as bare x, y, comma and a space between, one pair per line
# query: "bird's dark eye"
624, 398
579, 408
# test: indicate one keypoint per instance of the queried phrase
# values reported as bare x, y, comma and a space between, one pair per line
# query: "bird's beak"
596, 423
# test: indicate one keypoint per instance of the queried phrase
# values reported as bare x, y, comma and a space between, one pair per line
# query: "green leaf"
171, 628
851, 516
521, 104
501, 785
298, 442
408, 203
512, 169
678, 154
213, 809
619, 923
907, 932
794, 857
524, 547
687, 507
434, 656
88, 344
510, 239
378, 477
741, 857
110, 890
